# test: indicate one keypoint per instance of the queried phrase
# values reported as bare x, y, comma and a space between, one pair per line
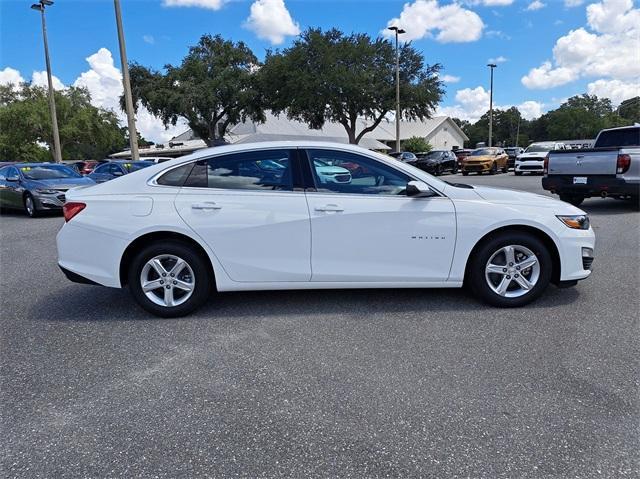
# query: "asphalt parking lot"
384, 383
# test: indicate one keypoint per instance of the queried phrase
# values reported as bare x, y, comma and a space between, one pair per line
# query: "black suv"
437, 162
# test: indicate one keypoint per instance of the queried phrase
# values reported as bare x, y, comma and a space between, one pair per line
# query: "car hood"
62, 183
332, 170
517, 197
479, 158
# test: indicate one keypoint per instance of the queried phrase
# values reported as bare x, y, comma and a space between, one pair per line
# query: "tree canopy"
580, 117
86, 132
416, 144
213, 87
330, 76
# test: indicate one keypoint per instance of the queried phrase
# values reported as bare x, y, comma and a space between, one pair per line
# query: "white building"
441, 132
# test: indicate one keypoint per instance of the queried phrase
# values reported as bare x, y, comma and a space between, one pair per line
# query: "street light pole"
126, 83
57, 152
491, 66
398, 31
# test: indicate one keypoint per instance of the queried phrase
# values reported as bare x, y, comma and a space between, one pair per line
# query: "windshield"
539, 147
432, 155
48, 172
483, 152
137, 165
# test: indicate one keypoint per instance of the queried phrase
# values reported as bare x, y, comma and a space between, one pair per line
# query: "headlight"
576, 222
46, 191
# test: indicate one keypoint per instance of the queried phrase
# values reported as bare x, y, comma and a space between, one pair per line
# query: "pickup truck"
610, 168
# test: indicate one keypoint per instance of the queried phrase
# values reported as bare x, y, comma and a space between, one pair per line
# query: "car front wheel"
30, 206
510, 270
170, 279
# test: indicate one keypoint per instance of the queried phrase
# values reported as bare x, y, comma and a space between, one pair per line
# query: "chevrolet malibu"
212, 221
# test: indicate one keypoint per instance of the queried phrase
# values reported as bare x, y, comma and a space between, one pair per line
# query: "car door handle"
205, 206
331, 207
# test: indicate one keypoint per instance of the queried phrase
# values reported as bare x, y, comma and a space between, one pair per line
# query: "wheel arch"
537, 232
146, 239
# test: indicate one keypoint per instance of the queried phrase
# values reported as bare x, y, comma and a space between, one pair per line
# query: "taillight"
623, 163
546, 164
71, 209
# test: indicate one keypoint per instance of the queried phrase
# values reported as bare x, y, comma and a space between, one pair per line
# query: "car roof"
48, 163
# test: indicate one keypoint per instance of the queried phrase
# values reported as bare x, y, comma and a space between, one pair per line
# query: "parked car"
610, 168
156, 159
513, 152
491, 160
532, 160
328, 173
116, 168
37, 187
437, 162
461, 154
404, 156
175, 231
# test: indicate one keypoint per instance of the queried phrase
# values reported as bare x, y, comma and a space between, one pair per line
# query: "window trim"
295, 175
314, 188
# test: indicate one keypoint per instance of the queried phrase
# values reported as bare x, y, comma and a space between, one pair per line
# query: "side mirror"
117, 173
13, 178
419, 189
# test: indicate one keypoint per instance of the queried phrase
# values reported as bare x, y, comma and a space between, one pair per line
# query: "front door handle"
207, 205
331, 207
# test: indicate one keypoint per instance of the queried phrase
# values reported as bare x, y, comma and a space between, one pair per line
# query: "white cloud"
448, 24
270, 20
210, 4
609, 50
490, 3
149, 39
40, 79
104, 82
616, 90
472, 103
536, 5
10, 76
573, 3
497, 34
499, 59
450, 79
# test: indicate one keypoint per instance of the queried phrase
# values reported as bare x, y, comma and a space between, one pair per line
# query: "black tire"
437, 171
517, 173
482, 254
505, 169
575, 200
465, 173
454, 170
30, 207
494, 168
203, 278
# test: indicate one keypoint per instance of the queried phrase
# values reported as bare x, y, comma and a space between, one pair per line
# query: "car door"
368, 230
244, 206
13, 189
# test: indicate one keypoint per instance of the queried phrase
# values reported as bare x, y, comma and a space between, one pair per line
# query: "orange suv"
490, 159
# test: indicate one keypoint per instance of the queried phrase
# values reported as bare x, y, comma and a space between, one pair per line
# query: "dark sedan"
117, 168
437, 162
37, 187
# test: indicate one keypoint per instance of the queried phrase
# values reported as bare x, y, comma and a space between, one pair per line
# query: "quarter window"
265, 170
345, 172
177, 176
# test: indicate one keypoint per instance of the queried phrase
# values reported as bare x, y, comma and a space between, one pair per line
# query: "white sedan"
216, 221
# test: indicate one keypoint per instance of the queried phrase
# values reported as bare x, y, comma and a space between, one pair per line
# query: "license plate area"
579, 180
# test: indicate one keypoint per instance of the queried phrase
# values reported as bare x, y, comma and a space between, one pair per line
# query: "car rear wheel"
169, 279
505, 169
494, 168
517, 173
30, 206
510, 270
575, 200
465, 173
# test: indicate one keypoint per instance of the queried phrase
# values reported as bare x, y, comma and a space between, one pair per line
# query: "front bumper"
47, 201
481, 167
530, 167
597, 185
576, 250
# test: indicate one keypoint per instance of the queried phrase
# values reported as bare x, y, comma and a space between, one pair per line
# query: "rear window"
621, 137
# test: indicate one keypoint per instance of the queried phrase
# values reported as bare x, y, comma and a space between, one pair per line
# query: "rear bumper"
75, 277
596, 186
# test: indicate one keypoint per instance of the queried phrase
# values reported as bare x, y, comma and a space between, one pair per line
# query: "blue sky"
461, 36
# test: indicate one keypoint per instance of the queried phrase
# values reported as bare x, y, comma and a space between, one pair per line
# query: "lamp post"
491, 66
398, 31
57, 152
126, 83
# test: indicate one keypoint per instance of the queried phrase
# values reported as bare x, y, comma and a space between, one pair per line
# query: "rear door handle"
331, 207
207, 205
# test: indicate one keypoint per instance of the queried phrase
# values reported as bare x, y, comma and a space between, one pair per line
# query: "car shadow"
609, 206
90, 304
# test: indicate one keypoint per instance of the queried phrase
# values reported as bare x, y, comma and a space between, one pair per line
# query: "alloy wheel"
167, 280
29, 206
512, 271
